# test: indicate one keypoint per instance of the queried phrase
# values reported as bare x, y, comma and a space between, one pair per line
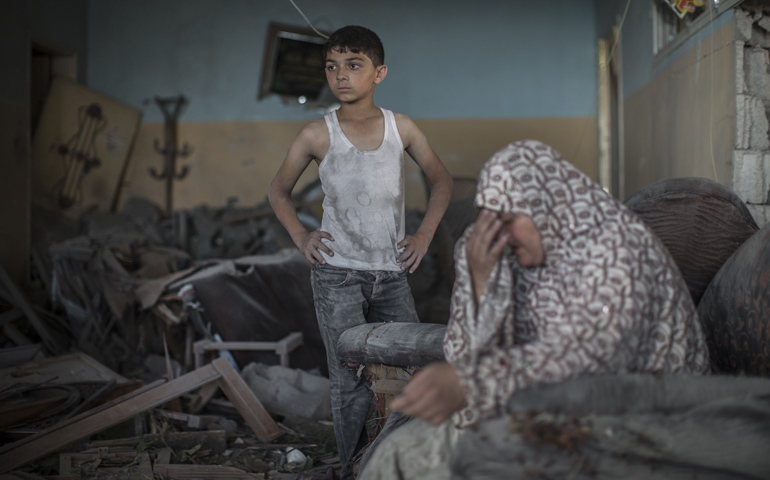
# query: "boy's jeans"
343, 299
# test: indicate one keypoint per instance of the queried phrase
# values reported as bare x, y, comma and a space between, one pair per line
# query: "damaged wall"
54, 25
709, 95
751, 158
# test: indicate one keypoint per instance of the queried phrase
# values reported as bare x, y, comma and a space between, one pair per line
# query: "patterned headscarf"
608, 298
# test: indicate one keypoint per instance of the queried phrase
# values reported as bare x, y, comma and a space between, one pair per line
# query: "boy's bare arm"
415, 143
308, 146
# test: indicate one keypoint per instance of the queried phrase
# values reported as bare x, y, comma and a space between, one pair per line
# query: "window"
293, 64
672, 18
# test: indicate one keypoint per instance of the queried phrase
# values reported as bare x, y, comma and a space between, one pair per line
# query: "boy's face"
352, 76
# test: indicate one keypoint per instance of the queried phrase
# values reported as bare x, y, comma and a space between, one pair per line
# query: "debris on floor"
137, 326
237, 438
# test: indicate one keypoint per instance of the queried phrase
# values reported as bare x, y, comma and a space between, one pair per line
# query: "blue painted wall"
470, 59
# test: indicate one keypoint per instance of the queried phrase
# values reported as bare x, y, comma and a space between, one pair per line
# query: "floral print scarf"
608, 298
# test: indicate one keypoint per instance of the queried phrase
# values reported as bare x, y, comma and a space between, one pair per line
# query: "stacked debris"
114, 303
117, 284
149, 430
167, 311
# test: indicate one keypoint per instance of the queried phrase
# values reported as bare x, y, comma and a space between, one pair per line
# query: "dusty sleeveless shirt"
363, 207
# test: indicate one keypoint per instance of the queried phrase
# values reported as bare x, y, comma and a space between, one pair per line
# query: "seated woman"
555, 279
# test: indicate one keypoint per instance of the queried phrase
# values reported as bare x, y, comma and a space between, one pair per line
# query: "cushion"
701, 223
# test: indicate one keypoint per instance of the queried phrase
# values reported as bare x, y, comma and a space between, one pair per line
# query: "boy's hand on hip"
310, 244
415, 247
433, 394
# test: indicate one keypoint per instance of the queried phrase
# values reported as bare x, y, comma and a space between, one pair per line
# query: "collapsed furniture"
220, 371
260, 298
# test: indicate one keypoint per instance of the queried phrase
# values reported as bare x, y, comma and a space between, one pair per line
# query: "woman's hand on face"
484, 248
432, 395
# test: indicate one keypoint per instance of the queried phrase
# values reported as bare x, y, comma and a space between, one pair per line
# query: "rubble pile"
141, 325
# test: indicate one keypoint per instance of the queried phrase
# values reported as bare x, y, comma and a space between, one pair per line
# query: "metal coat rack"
171, 108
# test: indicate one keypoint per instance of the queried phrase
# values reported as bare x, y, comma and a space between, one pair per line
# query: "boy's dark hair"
357, 40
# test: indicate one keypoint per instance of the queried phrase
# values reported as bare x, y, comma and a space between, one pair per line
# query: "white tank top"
363, 207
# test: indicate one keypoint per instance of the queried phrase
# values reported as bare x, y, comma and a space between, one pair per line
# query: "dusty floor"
104, 457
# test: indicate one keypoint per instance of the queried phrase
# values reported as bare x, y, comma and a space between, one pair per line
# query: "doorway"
45, 64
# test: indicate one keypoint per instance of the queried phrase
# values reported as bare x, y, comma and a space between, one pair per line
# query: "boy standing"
360, 255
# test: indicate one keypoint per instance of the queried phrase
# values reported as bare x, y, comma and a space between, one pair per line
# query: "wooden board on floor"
88, 423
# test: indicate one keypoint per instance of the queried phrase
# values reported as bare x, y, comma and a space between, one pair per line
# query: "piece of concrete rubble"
756, 72
287, 391
751, 123
743, 25
764, 22
746, 182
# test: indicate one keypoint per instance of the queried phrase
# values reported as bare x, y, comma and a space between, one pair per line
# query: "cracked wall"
751, 157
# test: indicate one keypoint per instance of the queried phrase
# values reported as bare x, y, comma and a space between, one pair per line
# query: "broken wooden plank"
56, 437
247, 404
48, 441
